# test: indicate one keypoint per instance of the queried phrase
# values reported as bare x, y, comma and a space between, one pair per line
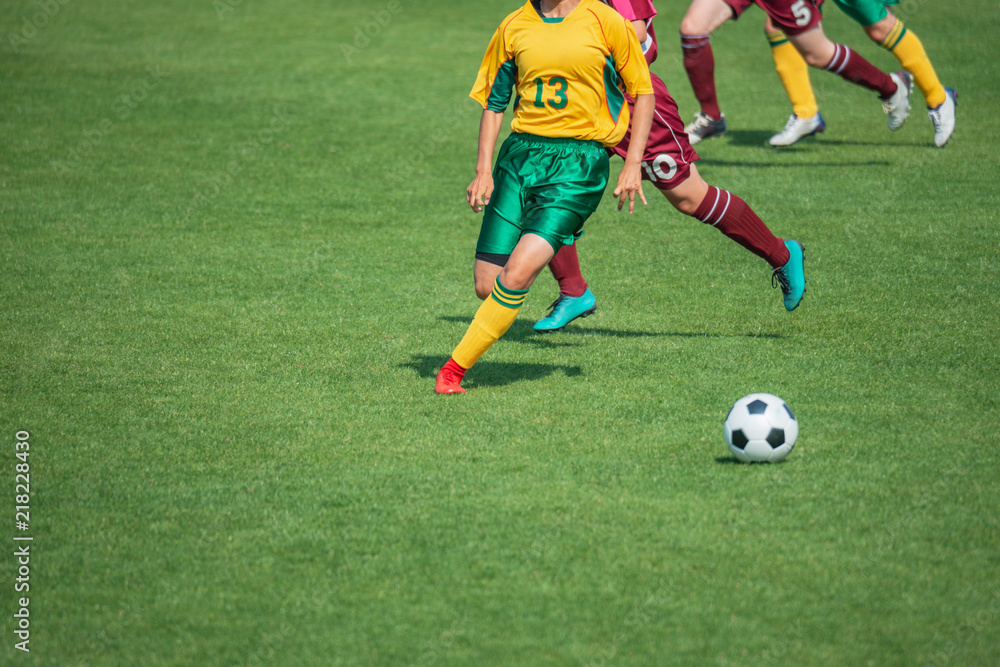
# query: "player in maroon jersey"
800, 21
669, 164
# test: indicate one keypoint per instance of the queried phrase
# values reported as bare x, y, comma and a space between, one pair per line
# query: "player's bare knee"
694, 25
686, 206
880, 30
874, 35
483, 290
516, 279
688, 27
816, 60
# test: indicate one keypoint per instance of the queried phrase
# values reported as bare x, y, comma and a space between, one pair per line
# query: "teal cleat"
791, 277
565, 309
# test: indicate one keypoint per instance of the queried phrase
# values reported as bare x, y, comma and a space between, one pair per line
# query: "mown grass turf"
236, 250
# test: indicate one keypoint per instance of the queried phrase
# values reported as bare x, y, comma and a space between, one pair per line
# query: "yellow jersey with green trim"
568, 74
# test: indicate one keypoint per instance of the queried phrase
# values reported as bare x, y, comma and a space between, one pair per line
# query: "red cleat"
449, 379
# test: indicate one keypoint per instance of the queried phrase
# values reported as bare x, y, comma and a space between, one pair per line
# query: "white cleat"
703, 127
943, 117
796, 128
898, 106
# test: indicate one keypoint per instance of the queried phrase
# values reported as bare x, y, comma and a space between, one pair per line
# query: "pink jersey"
623, 7
643, 10
634, 10
639, 10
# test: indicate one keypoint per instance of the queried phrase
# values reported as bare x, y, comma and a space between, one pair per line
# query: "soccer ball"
761, 428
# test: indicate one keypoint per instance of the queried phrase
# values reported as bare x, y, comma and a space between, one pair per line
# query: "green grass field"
236, 250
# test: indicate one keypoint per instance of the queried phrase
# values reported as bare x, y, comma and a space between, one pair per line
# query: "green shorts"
865, 12
544, 186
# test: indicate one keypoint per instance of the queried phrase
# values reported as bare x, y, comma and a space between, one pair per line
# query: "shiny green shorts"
865, 12
544, 186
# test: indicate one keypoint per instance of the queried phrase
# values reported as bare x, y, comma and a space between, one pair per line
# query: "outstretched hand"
629, 185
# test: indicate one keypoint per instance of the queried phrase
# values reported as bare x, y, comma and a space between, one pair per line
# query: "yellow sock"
794, 74
492, 320
909, 50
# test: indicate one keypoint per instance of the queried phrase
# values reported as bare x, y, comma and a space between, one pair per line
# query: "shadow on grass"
792, 165
749, 137
492, 373
729, 460
732, 460
760, 138
522, 332
497, 374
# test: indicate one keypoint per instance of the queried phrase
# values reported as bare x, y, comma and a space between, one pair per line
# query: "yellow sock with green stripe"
492, 320
794, 74
909, 50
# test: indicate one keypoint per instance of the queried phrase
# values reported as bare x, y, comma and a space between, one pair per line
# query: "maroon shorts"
668, 157
738, 6
792, 16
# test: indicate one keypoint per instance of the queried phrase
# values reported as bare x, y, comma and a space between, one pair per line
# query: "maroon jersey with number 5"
792, 16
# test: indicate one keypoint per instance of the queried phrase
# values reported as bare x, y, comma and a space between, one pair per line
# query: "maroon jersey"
738, 6
792, 16
668, 157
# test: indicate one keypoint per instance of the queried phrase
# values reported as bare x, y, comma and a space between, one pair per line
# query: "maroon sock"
852, 67
734, 218
565, 267
699, 62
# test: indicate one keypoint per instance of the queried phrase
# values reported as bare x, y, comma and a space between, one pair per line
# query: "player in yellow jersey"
567, 61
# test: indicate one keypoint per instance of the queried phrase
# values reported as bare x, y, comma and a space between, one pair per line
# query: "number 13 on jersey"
557, 87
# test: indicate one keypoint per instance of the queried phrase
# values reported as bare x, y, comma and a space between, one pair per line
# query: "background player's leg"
565, 267
819, 51
794, 74
729, 214
575, 300
897, 39
736, 220
703, 17
893, 36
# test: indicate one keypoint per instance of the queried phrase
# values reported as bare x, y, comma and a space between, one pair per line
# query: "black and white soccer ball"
761, 428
